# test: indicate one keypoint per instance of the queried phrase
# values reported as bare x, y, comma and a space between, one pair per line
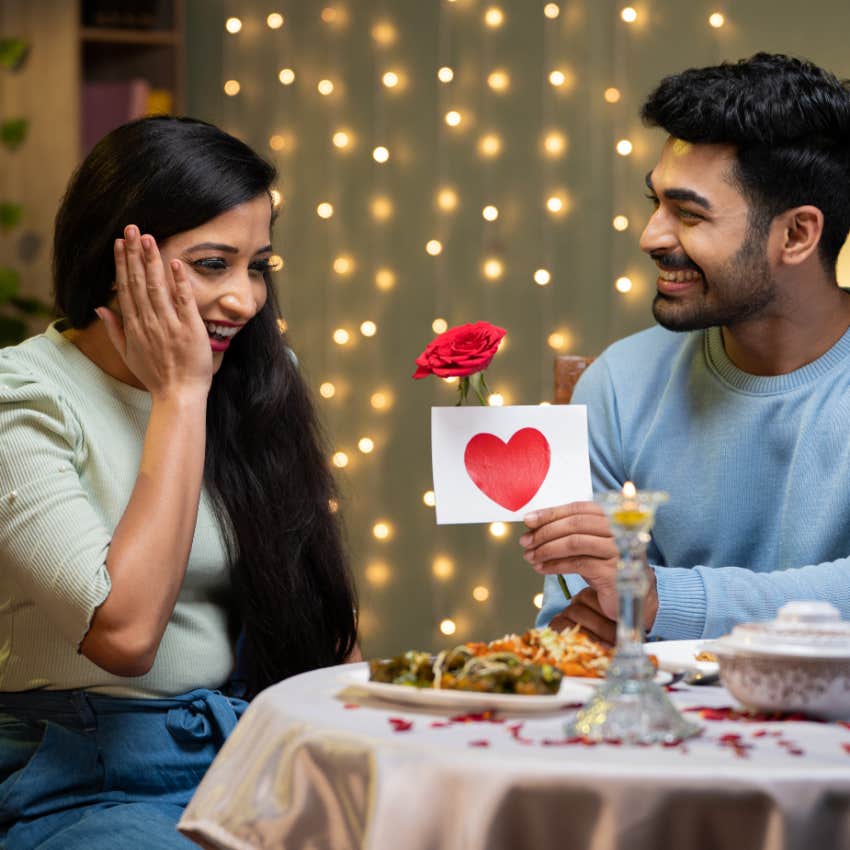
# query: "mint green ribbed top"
70, 445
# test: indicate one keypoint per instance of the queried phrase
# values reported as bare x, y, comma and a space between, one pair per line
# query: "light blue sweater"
757, 468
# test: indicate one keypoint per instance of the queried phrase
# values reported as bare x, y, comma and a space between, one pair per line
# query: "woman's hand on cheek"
160, 336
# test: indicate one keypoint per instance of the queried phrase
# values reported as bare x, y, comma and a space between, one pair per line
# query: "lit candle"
629, 513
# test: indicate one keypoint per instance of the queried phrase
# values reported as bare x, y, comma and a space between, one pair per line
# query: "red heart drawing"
508, 473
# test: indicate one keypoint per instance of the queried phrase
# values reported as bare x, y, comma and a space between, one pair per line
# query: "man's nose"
657, 235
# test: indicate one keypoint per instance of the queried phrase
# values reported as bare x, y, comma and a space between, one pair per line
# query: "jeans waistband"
200, 714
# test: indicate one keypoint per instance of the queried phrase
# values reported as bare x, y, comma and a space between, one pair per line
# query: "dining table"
321, 762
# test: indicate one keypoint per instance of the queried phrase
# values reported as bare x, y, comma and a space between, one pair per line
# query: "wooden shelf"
103, 35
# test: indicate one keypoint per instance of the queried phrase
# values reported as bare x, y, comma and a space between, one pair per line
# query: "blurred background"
440, 162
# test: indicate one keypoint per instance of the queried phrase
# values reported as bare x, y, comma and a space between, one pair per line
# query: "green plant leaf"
13, 132
10, 280
12, 330
31, 306
10, 215
13, 53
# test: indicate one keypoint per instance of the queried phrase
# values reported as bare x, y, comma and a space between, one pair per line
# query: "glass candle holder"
630, 706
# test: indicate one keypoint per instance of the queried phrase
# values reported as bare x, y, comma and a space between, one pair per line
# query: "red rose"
460, 351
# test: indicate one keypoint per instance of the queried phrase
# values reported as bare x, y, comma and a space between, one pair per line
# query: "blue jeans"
80, 771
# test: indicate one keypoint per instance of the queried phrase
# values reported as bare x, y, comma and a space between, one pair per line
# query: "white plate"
677, 656
571, 692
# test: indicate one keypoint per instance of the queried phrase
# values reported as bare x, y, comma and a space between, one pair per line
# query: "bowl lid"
801, 629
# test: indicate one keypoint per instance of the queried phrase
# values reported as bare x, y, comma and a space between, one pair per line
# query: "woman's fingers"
184, 300
159, 288
122, 283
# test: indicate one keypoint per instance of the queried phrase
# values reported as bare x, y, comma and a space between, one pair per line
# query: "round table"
316, 764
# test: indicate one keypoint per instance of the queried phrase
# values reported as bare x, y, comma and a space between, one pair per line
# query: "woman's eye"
213, 264
261, 266
650, 197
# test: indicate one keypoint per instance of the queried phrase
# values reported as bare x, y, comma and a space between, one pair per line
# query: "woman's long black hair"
266, 466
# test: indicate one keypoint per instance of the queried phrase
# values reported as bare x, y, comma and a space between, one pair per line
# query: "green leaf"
9, 282
13, 53
10, 215
13, 132
31, 306
12, 330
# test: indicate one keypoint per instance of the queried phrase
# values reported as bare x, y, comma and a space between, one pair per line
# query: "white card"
500, 463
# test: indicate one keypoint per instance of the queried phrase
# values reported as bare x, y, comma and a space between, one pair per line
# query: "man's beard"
739, 291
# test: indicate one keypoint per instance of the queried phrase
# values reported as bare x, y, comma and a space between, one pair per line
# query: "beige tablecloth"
313, 766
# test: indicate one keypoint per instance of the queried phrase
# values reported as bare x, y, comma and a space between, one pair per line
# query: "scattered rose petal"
399, 724
483, 742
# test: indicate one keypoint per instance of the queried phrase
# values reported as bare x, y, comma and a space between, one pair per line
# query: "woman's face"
225, 259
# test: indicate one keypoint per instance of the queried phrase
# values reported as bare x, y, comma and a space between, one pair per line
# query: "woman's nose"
239, 297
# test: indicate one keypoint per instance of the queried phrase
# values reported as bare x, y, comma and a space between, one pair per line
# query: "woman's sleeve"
53, 543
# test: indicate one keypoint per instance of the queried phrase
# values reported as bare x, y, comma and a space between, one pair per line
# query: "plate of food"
684, 656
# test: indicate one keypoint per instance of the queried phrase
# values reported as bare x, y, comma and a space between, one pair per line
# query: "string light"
448, 626
629, 14
329, 14
542, 277
494, 17
439, 326
333, 505
382, 208
343, 264
390, 79
557, 341
498, 80
377, 573
233, 25
340, 460
551, 11
384, 279
442, 568
490, 213
434, 247
496, 400
325, 87
490, 145
612, 95
538, 600
452, 379
274, 21
429, 499
492, 268
498, 529
286, 76
382, 530
447, 200
341, 336
282, 325
384, 33
554, 144
381, 400
480, 593
716, 20
380, 154
366, 445
557, 78
275, 261
368, 328
277, 198
232, 87
623, 284
624, 147
453, 118
557, 204
324, 210
341, 139
445, 74
277, 142
327, 390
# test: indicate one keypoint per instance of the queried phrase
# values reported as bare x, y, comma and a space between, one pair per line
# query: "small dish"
680, 656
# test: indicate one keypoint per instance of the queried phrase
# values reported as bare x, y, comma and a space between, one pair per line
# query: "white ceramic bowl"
799, 662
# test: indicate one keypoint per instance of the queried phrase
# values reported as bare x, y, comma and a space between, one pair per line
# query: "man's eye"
688, 214
209, 264
650, 197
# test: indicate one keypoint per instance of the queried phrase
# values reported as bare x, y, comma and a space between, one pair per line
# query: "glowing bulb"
492, 268
341, 336
343, 264
429, 499
494, 17
274, 21
231, 88
498, 80
453, 118
490, 213
286, 76
380, 154
557, 341
368, 328
480, 593
340, 460
282, 326
325, 87
490, 145
551, 11
324, 210
623, 284
542, 277
554, 204
277, 142
442, 568
277, 198
341, 139
377, 573
366, 445
333, 505
380, 400
447, 199
554, 144
629, 490
496, 400
716, 20
382, 208
445, 74
233, 25
382, 530
275, 260
629, 15
327, 390
448, 627
390, 79
384, 33
538, 600
498, 529
557, 78
620, 222
439, 326
624, 147
329, 14
612, 95
452, 379
384, 279
434, 247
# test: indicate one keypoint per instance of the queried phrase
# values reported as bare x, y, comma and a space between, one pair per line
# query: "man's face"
713, 267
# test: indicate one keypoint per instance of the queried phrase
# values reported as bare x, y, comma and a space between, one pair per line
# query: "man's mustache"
674, 262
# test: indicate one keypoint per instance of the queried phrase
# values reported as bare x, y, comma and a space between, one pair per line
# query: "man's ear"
801, 229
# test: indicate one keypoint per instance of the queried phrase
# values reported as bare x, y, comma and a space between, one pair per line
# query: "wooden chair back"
568, 369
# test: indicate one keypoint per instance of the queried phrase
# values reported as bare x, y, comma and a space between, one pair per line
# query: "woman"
162, 489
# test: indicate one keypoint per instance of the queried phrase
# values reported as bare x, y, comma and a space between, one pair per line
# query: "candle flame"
629, 490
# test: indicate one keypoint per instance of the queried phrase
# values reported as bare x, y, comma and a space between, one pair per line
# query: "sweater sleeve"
53, 543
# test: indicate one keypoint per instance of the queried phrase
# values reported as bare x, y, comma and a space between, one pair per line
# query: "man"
739, 404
